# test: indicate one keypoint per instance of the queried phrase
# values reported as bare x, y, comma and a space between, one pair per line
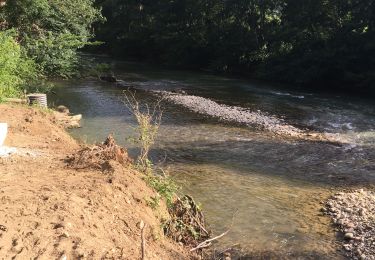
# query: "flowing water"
267, 189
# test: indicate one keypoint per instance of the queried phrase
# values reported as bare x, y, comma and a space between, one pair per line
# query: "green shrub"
16, 70
55, 53
164, 186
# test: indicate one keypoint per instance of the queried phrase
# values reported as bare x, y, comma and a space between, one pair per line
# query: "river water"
267, 189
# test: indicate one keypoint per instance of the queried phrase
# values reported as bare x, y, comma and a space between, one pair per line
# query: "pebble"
140, 224
353, 213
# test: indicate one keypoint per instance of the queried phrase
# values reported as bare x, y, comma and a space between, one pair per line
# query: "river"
270, 187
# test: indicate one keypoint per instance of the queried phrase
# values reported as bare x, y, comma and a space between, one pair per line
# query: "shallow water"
267, 190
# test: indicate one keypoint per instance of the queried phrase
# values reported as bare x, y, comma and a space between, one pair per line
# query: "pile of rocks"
354, 214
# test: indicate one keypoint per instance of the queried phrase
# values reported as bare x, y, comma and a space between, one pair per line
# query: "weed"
148, 121
148, 125
153, 202
164, 186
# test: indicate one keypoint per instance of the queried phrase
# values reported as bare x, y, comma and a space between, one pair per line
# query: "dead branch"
207, 242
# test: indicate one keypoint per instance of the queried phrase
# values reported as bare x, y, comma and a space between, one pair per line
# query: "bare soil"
51, 211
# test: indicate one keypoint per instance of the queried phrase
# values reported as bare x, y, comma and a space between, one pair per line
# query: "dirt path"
51, 212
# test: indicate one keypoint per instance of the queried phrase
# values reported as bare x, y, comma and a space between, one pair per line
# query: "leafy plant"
164, 186
16, 70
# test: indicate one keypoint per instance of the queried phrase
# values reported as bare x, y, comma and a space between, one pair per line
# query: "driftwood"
207, 242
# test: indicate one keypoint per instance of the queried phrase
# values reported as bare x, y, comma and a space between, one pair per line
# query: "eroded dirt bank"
49, 211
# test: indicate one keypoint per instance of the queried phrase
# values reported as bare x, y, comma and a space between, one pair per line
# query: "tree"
52, 31
316, 43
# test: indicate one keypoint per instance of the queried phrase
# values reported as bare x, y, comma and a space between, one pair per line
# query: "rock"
179, 91
349, 231
63, 109
59, 225
356, 211
362, 211
340, 222
76, 117
348, 247
350, 225
108, 78
3, 228
140, 224
67, 120
29, 119
349, 236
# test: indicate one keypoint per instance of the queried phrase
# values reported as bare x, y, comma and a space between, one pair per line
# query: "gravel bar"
354, 214
235, 114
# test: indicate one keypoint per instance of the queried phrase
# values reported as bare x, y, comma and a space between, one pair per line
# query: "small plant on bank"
165, 187
187, 224
148, 120
148, 123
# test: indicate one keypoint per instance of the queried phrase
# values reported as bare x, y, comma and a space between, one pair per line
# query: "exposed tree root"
99, 156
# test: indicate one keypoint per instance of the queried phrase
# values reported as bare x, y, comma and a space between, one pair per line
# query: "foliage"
148, 123
321, 43
51, 32
164, 186
15, 69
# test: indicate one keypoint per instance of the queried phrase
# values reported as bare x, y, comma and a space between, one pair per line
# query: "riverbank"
51, 211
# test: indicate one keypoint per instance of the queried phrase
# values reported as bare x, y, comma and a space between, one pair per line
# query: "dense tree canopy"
40, 38
311, 42
51, 31
320, 43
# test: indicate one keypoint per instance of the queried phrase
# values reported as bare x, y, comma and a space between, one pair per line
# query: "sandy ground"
51, 212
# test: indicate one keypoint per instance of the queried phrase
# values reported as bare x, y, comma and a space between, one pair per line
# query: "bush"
56, 54
16, 70
164, 186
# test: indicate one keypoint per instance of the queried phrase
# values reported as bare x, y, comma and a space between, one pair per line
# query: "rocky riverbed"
354, 214
256, 119
227, 113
